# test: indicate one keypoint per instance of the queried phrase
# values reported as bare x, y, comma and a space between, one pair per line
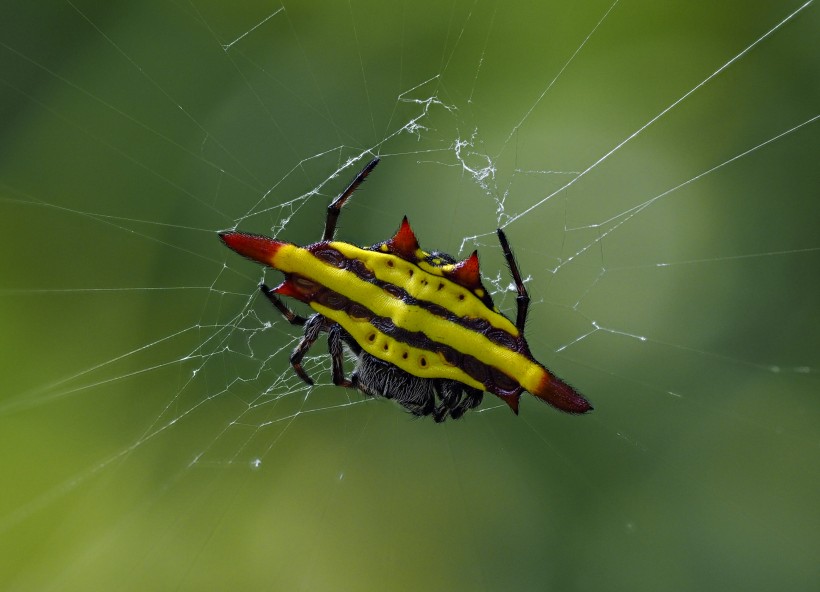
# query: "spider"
423, 328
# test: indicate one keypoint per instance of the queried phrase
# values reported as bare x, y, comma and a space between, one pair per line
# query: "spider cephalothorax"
424, 329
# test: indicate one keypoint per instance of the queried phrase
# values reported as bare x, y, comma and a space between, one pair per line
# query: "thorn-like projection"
512, 400
287, 288
404, 243
253, 246
560, 395
298, 287
466, 273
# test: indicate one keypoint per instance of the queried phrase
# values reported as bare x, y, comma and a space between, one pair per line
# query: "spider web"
654, 167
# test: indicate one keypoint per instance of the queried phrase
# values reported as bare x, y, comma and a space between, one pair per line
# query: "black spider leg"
472, 398
450, 392
292, 317
336, 205
523, 299
334, 345
334, 340
313, 326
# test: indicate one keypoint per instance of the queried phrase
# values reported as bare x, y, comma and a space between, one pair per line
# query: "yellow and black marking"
420, 314
420, 319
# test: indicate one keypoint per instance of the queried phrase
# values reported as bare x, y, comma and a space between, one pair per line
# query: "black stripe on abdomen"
493, 379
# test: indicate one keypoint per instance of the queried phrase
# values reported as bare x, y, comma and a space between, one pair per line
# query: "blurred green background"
152, 435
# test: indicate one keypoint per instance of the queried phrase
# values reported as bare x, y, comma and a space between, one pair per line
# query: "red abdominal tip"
562, 396
253, 246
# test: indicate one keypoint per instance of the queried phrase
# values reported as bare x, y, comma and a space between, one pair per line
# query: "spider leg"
449, 392
334, 344
292, 317
472, 398
313, 326
336, 205
523, 299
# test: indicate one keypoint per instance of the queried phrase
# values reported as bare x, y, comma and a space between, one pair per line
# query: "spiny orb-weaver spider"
422, 326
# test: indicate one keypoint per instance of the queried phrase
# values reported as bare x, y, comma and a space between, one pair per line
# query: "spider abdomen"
420, 322
428, 325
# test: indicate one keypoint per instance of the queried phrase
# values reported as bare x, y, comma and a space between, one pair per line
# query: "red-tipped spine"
404, 243
287, 288
253, 246
560, 395
466, 273
512, 400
